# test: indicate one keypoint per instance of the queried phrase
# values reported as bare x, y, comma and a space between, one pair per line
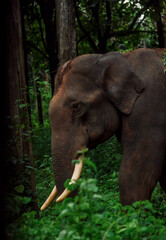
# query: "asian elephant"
99, 95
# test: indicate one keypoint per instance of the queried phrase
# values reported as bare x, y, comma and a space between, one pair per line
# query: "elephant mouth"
76, 175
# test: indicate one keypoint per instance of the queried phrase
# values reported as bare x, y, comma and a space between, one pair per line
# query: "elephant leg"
132, 188
163, 179
139, 173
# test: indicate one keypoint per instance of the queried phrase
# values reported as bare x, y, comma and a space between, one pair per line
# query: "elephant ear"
121, 83
61, 72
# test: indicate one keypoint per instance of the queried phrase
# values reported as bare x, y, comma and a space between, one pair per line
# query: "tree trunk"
66, 29
164, 21
47, 8
39, 104
18, 129
160, 25
160, 31
3, 129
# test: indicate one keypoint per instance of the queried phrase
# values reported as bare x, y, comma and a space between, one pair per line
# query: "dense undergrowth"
95, 213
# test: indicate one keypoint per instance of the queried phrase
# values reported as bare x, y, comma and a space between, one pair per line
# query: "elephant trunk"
63, 170
76, 175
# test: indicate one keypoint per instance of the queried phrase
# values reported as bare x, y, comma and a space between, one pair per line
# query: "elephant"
97, 96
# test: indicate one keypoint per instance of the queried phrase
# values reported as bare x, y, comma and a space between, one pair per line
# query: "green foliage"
85, 218
16, 203
35, 36
95, 212
39, 84
104, 26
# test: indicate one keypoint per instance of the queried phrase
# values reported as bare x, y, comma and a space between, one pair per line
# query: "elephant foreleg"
139, 174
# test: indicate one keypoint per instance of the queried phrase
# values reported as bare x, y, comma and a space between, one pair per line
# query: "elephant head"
92, 93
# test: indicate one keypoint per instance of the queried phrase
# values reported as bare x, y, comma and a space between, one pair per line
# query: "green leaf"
19, 188
23, 105
70, 187
22, 126
91, 164
74, 161
26, 200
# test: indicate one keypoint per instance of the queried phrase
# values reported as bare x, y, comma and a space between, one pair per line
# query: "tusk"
75, 176
49, 199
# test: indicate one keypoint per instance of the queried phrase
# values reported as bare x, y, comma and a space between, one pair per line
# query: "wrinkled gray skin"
97, 96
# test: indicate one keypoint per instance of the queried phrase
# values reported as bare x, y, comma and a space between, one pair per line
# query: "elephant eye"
78, 109
76, 106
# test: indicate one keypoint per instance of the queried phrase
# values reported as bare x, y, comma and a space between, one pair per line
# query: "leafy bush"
95, 213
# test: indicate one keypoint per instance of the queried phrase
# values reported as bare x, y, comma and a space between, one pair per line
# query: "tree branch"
127, 32
138, 15
145, 15
41, 32
95, 14
108, 25
37, 49
86, 33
